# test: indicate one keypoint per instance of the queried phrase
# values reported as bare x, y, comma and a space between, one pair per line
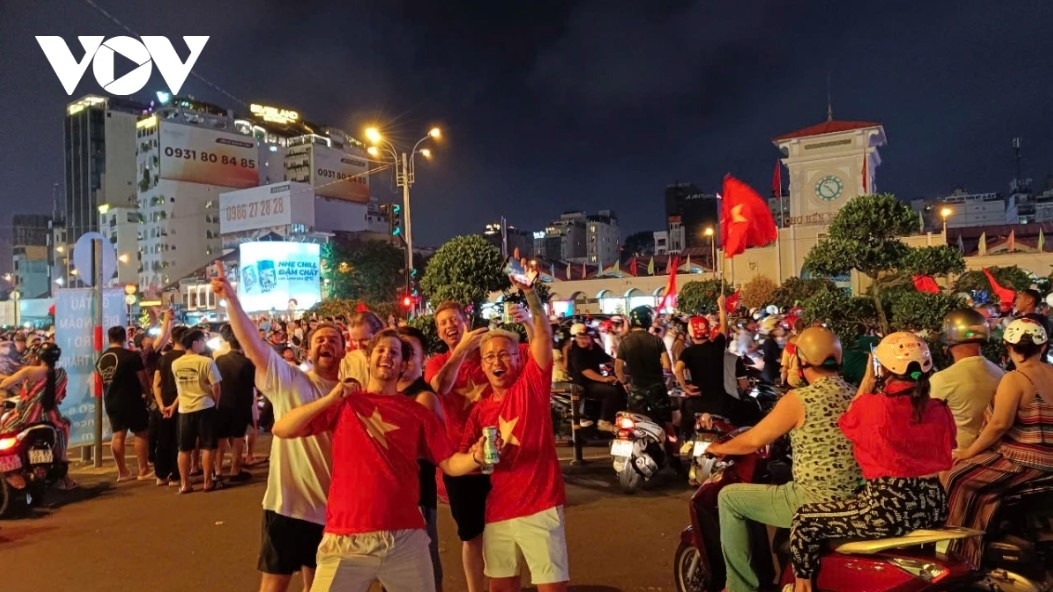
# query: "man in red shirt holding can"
373, 528
524, 511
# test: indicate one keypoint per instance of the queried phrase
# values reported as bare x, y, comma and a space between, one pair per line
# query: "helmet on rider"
904, 354
818, 346
1025, 329
577, 329
641, 316
698, 327
964, 325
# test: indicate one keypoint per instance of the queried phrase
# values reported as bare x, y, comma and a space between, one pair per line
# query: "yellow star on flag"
377, 427
472, 392
736, 215
505, 427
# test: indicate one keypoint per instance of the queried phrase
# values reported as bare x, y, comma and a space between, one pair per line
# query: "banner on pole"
74, 322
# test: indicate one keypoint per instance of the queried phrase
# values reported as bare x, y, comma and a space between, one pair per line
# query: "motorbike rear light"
626, 423
7, 443
925, 570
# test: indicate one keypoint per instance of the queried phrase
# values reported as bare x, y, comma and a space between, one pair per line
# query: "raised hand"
220, 286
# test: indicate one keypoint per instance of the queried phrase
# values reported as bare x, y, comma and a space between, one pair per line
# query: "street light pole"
407, 218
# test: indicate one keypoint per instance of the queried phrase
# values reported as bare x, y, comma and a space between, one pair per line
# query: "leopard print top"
823, 462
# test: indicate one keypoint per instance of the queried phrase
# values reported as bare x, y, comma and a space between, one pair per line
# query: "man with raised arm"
524, 512
374, 530
300, 469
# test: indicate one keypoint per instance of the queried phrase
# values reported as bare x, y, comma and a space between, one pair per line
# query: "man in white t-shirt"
300, 469
360, 329
197, 387
969, 384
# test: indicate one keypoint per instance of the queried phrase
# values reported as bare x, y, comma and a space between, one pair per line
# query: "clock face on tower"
829, 187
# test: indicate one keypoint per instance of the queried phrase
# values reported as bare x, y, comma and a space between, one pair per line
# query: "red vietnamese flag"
670, 288
632, 267
776, 180
731, 303
925, 284
745, 220
1005, 295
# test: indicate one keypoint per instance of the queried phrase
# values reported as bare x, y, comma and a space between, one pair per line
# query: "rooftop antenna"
1016, 149
829, 103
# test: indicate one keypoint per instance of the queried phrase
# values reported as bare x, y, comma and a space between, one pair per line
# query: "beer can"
509, 315
491, 453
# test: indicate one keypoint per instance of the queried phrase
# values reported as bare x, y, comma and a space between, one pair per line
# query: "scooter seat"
917, 537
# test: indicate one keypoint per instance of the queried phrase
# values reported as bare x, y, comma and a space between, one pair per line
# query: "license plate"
701, 447
40, 457
621, 448
10, 463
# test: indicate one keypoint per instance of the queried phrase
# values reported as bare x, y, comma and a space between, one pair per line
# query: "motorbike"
638, 449
28, 465
708, 429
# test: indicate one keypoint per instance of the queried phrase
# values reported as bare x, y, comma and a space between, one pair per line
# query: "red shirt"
377, 440
889, 443
528, 479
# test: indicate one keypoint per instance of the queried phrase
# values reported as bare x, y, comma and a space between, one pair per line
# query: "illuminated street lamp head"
373, 135
373, 151
709, 231
426, 153
946, 212
123, 258
435, 133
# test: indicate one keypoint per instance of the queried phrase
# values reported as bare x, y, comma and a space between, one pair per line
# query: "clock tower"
829, 164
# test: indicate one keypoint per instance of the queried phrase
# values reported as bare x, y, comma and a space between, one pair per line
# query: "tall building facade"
503, 235
689, 212
32, 274
99, 139
578, 237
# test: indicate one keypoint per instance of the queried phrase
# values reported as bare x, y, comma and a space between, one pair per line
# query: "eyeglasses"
489, 359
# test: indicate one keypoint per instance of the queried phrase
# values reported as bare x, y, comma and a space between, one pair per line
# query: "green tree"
466, 269
1012, 278
796, 290
864, 237
426, 324
639, 243
369, 271
696, 297
917, 311
758, 292
348, 307
847, 316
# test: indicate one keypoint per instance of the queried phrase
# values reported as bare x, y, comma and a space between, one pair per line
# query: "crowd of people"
370, 432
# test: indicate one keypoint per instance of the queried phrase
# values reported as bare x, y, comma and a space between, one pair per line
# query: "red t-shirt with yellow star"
377, 440
528, 479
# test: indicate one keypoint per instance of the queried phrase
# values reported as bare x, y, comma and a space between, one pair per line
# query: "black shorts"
468, 503
232, 423
131, 416
288, 544
198, 429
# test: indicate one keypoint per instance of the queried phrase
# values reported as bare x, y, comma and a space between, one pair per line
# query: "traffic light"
396, 219
407, 302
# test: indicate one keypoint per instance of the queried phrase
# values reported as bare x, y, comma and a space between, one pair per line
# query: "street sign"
82, 258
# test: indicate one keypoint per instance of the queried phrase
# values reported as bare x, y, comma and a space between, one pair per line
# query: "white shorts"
398, 559
539, 539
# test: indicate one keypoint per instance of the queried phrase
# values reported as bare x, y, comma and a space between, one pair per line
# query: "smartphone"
515, 269
875, 362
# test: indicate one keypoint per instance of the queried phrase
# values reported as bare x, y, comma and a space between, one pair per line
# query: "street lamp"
945, 213
16, 296
403, 163
712, 234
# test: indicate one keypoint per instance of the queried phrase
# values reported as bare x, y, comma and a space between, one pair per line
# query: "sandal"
214, 486
187, 490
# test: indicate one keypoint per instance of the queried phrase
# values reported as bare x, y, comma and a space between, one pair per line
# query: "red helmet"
698, 327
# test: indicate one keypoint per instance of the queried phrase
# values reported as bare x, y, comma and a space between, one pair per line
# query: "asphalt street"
136, 536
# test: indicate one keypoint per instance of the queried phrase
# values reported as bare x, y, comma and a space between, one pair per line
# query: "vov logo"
100, 52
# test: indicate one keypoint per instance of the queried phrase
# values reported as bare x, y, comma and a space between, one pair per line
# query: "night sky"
551, 106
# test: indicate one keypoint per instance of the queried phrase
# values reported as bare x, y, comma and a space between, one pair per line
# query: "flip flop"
187, 490
215, 485
126, 478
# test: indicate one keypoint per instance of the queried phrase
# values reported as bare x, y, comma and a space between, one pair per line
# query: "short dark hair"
366, 317
191, 336
1033, 294
407, 348
178, 332
117, 334
407, 331
450, 305
325, 325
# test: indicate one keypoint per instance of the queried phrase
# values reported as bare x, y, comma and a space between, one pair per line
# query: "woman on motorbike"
43, 387
1014, 446
902, 439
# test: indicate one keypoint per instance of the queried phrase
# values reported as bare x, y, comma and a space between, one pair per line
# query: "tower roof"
826, 127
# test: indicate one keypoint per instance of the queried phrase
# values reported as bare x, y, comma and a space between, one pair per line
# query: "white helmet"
1025, 326
577, 329
772, 309
901, 350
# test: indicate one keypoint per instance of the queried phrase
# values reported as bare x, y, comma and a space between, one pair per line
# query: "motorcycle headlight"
7, 444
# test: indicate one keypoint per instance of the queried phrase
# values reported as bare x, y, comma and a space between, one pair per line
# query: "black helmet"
49, 353
641, 316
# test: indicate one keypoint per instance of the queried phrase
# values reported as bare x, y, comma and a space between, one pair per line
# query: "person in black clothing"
642, 364
166, 444
412, 384
704, 362
237, 396
772, 353
125, 386
584, 359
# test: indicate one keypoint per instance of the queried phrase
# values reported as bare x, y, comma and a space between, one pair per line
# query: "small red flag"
1005, 295
632, 268
361, 307
731, 303
776, 180
926, 285
746, 220
670, 288
1011, 244
865, 171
